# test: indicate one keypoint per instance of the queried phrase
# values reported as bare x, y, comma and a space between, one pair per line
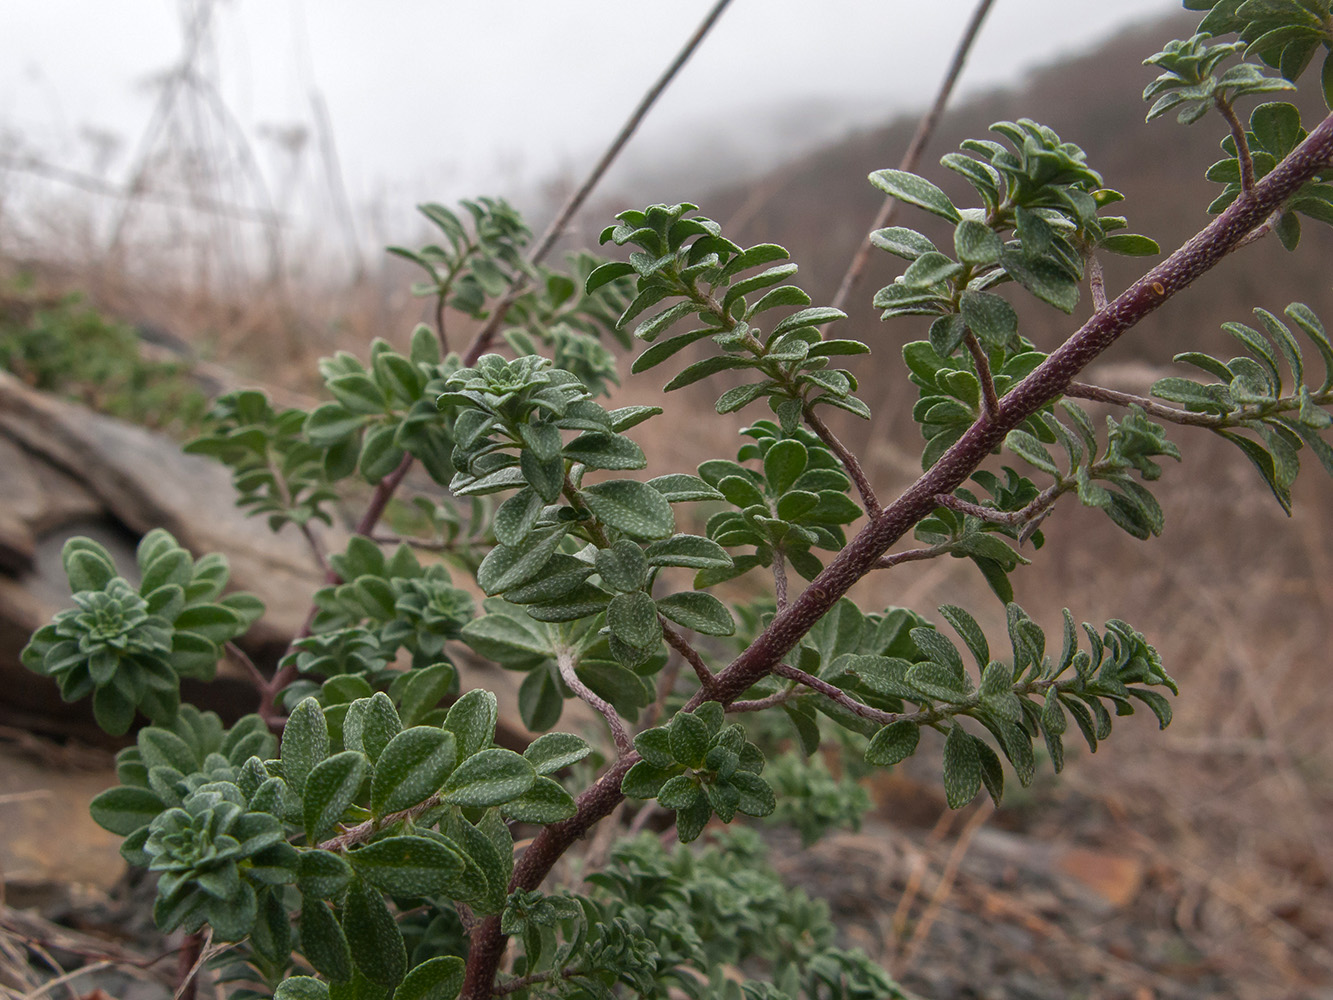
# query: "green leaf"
305, 742
472, 720
489, 778
962, 768
701, 612
623, 566
895, 742
632, 618
501, 637
678, 487
1130, 245
125, 809
966, 626
517, 517
976, 244
330, 788
603, 275
376, 944
755, 794
302, 988
506, 567
990, 317
905, 243
783, 463
689, 739
708, 366
370, 724
545, 802
1044, 279
408, 866
322, 941
644, 780
814, 316
438, 978
598, 450
915, 191
692, 551
632, 507
412, 768
322, 874
548, 754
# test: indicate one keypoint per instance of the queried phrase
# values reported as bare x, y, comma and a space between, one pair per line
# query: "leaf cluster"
697, 766
276, 471
685, 260
1252, 395
243, 838
1275, 130
796, 501
384, 412
129, 647
474, 262
1038, 190
1284, 34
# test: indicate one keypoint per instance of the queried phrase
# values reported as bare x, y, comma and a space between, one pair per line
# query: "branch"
1175, 415
691, 656
364, 831
243, 658
666, 683
565, 661
990, 402
1096, 282
838, 695
780, 578
315, 546
1034, 511
910, 555
379, 500
486, 336
924, 129
1242, 145
848, 460
1048, 381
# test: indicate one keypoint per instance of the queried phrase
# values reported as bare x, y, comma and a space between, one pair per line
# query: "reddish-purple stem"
862, 554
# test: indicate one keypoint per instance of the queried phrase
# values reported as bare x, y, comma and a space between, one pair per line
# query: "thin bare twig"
990, 402
838, 695
565, 661
924, 130
486, 336
848, 460
1097, 282
910, 555
197, 950
759, 704
691, 655
316, 547
364, 831
666, 683
945, 885
780, 578
48, 986
1009, 518
1242, 145
1099, 394
243, 658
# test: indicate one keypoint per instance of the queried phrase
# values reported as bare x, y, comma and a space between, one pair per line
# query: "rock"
46, 834
65, 470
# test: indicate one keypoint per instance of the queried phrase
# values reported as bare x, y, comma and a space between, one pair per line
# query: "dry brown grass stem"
486, 336
924, 130
974, 823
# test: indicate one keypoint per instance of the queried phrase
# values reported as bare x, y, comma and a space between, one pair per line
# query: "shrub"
373, 851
